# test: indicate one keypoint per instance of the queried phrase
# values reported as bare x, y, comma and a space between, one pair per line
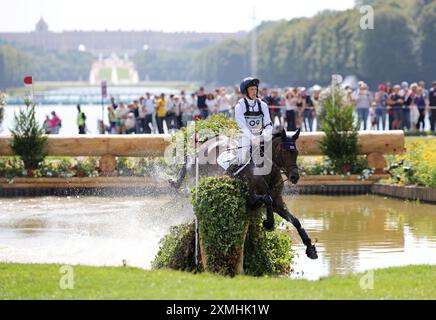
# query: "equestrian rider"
254, 121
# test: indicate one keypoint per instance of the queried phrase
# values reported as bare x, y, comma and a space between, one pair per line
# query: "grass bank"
27, 281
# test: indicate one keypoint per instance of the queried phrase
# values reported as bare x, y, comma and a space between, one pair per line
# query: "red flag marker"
28, 80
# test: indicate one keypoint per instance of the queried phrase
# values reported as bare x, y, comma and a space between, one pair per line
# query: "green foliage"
55, 168
165, 65
12, 167
340, 141
267, 253
28, 139
220, 207
177, 249
417, 166
44, 65
427, 27
377, 63
223, 63
86, 167
143, 167
303, 51
183, 142
13, 65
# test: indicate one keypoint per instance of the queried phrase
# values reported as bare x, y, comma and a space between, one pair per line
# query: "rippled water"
354, 233
361, 233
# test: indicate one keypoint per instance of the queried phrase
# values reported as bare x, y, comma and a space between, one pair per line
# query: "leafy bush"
323, 166
415, 167
11, 167
55, 168
222, 219
177, 249
86, 167
28, 139
267, 253
183, 142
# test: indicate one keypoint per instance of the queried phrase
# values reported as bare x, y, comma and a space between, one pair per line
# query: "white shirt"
150, 105
240, 109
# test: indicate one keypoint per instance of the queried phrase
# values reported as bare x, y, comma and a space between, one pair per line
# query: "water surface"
354, 233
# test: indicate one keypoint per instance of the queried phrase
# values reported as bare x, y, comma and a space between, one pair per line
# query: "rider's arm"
268, 125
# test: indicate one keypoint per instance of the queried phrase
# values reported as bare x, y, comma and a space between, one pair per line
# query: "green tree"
28, 139
340, 141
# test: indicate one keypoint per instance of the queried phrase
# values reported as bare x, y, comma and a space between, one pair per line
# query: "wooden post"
377, 161
107, 165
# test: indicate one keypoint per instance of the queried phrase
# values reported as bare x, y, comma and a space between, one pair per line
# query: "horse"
266, 190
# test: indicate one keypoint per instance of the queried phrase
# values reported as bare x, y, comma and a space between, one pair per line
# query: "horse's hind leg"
285, 214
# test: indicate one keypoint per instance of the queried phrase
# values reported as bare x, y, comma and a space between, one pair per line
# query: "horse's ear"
297, 134
284, 136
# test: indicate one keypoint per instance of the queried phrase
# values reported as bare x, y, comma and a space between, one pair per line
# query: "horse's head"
285, 154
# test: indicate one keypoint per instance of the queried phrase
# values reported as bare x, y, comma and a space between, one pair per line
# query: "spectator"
291, 109
211, 103
81, 120
201, 103
404, 92
150, 107
187, 110
316, 91
46, 125
301, 106
362, 99
396, 102
121, 113
223, 102
161, 112
432, 102
130, 123
381, 98
141, 115
421, 104
55, 123
114, 105
113, 120
274, 103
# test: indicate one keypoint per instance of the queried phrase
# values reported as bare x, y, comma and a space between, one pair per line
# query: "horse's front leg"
282, 210
256, 201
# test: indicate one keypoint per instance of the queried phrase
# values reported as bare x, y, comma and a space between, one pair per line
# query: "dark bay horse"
266, 190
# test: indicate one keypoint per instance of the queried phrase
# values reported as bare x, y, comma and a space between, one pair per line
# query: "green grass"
27, 281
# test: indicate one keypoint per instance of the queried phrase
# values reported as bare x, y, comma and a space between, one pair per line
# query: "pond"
354, 234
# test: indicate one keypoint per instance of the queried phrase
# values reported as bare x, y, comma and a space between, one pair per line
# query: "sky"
157, 15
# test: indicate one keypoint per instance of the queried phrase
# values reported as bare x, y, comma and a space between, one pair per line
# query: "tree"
28, 139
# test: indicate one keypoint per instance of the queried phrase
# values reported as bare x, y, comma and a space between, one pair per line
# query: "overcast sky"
164, 15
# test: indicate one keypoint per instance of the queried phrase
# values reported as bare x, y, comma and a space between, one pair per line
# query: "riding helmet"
248, 82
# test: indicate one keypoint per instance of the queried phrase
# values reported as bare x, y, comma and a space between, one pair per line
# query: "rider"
254, 121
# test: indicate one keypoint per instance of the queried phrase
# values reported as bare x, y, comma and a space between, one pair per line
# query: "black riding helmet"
248, 82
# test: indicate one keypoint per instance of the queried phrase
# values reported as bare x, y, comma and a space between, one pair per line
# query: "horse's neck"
276, 154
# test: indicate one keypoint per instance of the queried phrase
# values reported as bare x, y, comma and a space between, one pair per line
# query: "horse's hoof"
268, 225
311, 252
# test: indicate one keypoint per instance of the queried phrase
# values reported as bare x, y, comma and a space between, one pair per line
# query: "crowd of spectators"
389, 107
